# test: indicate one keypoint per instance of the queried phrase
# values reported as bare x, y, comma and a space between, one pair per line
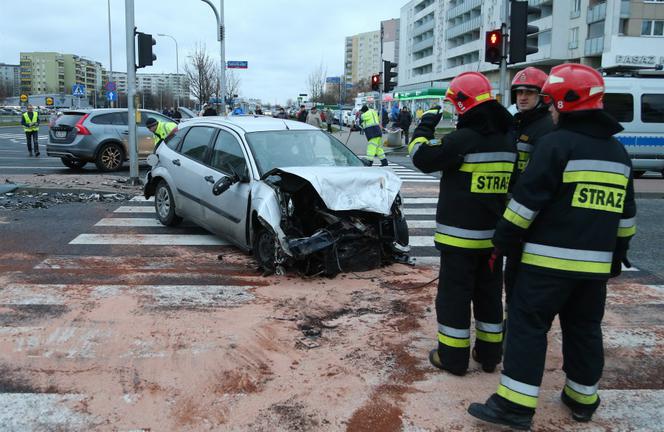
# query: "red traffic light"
375, 79
494, 37
493, 49
375, 82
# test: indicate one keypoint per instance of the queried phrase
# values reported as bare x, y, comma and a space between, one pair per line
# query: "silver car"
100, 136
289, 192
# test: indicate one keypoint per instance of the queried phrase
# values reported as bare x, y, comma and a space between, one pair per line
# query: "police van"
638, 104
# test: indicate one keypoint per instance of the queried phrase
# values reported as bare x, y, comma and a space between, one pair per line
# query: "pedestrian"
177, 115
209, 111
476, 160
313, 118
281, 113
531, 122
329, 119
30, 123
238, 110
404, 120
259, 110
573, 215
385, 119
161, 131
370, 123
302, 114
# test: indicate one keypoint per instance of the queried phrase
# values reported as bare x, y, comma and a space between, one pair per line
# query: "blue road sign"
237, 64
111, 86
78, 90
333, 80
112, 96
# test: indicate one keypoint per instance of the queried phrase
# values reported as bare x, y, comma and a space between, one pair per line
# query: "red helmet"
529, 78
574, 87
467, 90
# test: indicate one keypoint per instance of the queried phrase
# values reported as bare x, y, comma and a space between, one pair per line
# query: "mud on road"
190, 342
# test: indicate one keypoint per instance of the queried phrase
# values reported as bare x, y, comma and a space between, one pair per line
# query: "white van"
638, 104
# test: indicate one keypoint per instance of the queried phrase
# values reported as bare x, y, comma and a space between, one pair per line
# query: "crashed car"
290, 193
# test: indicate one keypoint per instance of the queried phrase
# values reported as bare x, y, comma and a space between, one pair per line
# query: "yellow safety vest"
369, 118
162, 131
35, 117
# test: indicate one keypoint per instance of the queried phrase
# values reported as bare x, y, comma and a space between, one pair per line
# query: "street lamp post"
177, 66
220, 38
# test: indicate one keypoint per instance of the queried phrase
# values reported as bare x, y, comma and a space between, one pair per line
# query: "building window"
573, 38
652, 28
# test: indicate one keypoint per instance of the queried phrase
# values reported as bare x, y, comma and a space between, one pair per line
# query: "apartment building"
52, 72
156, 84
362, 56
442, 38
10, 83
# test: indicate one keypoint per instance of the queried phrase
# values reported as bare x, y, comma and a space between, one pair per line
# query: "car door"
187, 171
226, 214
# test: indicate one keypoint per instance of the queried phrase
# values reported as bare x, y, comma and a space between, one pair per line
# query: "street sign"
24, 98
78, 90
333, 80
112, 96
303, 94
49, 101
237, 64
111, 86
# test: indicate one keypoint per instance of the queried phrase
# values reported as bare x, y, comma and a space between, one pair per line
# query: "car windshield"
290, 148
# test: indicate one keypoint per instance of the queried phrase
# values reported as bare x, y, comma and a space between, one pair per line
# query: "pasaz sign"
237, 64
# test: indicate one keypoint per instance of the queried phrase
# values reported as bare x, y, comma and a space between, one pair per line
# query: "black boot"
493, 412
383, 162
486, 367
580, 413
434, 359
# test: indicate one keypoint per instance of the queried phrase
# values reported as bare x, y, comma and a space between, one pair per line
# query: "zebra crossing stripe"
135, 209
141, 198
149, 239
422, 224
418, 211
130, 222
409, 200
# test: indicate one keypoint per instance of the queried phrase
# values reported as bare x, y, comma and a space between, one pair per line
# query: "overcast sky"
283, 40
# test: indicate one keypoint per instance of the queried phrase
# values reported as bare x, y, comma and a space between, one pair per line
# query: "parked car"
100, 136
289, 192
187, 114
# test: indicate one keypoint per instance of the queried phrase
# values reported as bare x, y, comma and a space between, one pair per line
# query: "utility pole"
221, 38
504, 97
131, 92
110, 50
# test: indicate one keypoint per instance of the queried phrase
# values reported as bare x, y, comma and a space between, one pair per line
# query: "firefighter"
531, 122
572, 214
476, 162
161, 130
370, 123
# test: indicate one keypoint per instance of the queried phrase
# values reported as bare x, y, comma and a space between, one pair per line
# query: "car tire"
164, 205
401, 228
263, 249
638, 174
110, 157
75, 164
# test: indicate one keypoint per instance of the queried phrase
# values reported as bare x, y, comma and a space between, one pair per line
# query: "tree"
202, 75
316, 83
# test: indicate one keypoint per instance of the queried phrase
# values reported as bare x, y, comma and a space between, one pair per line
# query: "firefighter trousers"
536, 300
466, 278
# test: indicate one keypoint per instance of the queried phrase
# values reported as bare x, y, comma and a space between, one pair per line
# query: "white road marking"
421, 224
135, 209
150, 239
419, 211
130, 222
141, 198
420, 241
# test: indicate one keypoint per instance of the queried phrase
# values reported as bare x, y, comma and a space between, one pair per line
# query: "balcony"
463, 8
462, 28
594, 46
419, 46
423, 28
538, 3
596, 13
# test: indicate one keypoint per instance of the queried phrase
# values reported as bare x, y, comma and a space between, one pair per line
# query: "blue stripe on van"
632, 140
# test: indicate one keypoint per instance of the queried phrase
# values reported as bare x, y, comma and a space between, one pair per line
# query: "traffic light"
493, 46
145, 43
519, 31
375, 82
388, 74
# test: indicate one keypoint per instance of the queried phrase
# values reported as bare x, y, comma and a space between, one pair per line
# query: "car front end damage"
326, 221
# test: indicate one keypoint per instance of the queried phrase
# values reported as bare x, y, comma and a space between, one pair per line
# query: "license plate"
60, 134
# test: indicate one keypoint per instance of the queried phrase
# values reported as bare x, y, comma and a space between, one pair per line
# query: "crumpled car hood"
352, 188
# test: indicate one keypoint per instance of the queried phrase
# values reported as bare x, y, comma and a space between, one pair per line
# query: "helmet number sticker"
560, 104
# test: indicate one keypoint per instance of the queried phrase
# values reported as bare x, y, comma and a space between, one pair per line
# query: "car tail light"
82, 130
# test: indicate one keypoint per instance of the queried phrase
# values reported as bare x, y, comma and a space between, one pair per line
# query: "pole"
222, 41
177, 67
110, 50
131, 91
505, 100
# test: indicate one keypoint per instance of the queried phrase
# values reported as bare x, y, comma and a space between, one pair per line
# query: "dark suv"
100, 136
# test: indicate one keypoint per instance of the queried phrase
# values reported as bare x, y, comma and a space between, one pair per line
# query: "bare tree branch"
316, 83
202, 74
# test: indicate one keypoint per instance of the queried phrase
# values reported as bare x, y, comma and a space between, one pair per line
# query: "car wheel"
264, 249
110, 157
75, 164
638, 174
401, 228
165, 205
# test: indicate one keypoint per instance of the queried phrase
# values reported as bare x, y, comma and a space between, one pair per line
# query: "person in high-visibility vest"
161, 130
370, 123
570, 220
30, 123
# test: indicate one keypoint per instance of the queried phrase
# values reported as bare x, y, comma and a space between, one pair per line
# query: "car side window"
227, 154
176, 139
103, 119
652, 108
195, 143
120, 119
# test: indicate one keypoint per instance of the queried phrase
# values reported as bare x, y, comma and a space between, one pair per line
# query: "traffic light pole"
502, 85
131, 92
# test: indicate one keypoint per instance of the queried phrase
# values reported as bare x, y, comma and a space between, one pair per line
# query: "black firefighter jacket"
573, 211
477, 161
528, 128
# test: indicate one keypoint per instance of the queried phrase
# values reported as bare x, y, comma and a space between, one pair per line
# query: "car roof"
252, 123
100, 110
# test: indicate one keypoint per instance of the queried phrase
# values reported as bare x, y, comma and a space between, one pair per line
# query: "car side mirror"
223, 184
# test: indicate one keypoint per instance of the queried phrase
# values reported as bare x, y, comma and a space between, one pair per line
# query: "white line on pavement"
141, 198
135, 209
130, 222
421, 241
150, 239
409, 200
419, 211
421, 223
